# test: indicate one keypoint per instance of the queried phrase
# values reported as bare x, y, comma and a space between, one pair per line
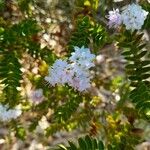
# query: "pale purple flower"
115, 19
36, 96
75, 72
80, 83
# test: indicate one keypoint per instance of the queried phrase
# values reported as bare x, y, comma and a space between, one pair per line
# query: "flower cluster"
132, 16
7, 114
58, 73
75, 72
115, 19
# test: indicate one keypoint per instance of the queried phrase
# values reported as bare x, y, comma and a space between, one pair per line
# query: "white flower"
133, 16
37, 96
81, 61
115, 19
83, 57
7, 114
75, 73
57, 73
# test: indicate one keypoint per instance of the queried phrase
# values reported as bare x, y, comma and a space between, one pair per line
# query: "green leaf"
85, 143
82, 144
94, 144
138, 37
127, 53
142, 54
72, 145
145, 62
142, 46
101, 145
134, 77
145, 69
89, 142
145, 76
130, 66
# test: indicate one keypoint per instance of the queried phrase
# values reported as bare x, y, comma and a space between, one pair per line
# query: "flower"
81, 61
81, 83
81, 79
58, 73
7, 114
37, 96
82, 57
75, 72
115, 19
133, 17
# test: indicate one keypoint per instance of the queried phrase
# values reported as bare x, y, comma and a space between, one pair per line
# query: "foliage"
84, 144
88, 32
10, 75
137, 69
119, 97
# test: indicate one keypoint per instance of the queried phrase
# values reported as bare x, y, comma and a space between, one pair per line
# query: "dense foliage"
67, 80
